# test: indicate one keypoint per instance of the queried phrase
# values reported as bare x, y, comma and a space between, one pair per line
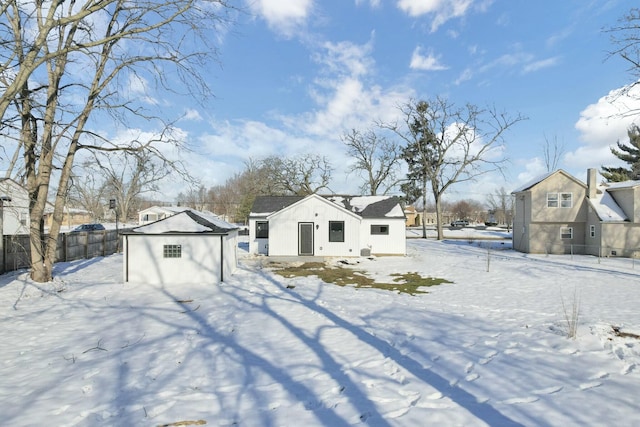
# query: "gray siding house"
557, 213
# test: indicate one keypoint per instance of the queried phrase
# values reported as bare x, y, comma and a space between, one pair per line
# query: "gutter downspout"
126, 258
221, 259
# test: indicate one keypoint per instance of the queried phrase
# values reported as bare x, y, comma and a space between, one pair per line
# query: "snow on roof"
621, 185
541, 178
606, 208
364, 206
167, 209
187, 221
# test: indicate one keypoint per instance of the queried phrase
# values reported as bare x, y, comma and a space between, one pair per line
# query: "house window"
566, 233
172, 251
566, 200
336, 231
379, 229
262, 229
592, 230
563, 200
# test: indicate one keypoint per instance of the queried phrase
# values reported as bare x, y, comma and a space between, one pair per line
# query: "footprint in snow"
548, 390
519, 400
469, 367
600, 375
488, 357
587, 386
91, 373
472, 377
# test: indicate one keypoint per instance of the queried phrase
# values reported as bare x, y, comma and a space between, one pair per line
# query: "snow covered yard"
261, 350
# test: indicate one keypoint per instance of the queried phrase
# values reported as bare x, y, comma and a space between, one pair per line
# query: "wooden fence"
71, 247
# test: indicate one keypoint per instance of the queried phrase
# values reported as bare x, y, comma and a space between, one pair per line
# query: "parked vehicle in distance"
490, 223
460, 223
88, 227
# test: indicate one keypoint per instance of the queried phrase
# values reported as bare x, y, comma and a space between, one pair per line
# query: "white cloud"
538, 65
192, 115
442, 10
428, 62
373, 3
283, 16
343, 94
601, 125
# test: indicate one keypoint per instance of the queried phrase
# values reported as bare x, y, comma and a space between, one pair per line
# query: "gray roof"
363, 206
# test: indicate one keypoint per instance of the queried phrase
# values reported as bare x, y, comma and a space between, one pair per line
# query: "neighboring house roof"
186, 222
541, 178
164, 209
363, 206
605, 207
612, 186
266, 205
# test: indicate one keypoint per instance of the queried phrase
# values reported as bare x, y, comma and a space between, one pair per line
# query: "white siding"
257, 246
200, 261
392, 244
283, 229
16, 212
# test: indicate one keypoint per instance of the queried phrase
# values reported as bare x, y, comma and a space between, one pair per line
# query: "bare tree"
377, 159
625, 37
195, 198
449, 145
128, 176
87, 190
66, 62
501, 205
552, 152
302, 175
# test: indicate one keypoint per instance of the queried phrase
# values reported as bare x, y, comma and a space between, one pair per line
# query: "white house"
188, 247
155, 213
327, 226
15, 207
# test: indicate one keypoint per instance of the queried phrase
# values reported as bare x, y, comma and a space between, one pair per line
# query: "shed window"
592, 230
379, 229
336, 231
172, 251
566, 232
262, 229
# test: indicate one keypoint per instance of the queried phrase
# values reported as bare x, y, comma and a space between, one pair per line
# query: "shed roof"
186, 222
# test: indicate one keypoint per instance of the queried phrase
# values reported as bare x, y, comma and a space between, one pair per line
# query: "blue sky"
295, 75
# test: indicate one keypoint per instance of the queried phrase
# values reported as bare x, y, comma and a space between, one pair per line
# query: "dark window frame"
262, 233
335, 234
380, 229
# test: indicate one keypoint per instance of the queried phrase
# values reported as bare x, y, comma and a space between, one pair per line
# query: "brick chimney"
592, 177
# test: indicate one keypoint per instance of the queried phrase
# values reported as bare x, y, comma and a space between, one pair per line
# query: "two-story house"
557, 213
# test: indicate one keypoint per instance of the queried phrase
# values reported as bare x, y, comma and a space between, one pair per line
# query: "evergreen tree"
628, 153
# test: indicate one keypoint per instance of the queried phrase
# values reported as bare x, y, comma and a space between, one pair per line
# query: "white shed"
188, 247
327, 226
